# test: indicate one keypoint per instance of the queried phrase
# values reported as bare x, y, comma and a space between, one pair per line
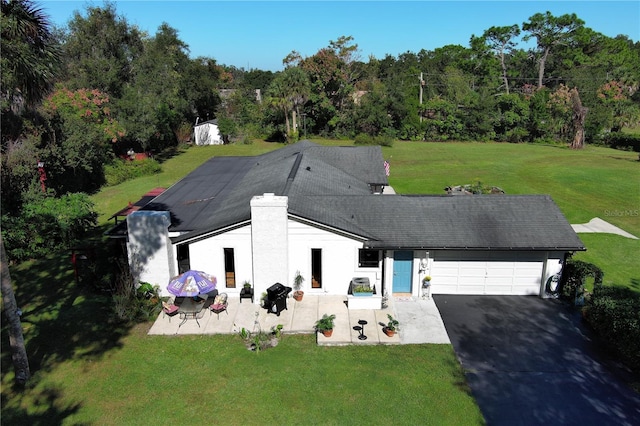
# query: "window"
368, 258
184, 263
316, 268
229, 268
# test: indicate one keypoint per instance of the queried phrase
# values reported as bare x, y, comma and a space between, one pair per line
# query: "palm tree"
279, 98
29, 60
30, 54
16, 339
298, 86
288, 91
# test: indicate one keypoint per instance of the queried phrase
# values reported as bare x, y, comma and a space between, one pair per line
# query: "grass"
90, 370
594, 182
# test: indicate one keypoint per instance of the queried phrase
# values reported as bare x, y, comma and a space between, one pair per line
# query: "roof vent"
309, 168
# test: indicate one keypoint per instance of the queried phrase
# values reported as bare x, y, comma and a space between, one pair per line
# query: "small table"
189, 309
360, 329
246, 293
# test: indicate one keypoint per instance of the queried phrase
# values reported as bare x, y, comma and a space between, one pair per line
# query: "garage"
487, 272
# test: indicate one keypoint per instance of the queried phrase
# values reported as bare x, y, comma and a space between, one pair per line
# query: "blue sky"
259, 34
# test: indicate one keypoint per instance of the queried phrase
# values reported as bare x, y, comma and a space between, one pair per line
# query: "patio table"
189, 309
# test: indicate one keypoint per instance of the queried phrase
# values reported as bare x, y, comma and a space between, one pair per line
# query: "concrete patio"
420, 321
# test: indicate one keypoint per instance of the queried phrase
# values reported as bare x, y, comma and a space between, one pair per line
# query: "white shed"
208, 133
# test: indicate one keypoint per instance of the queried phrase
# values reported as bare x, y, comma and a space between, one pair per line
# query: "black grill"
277, 298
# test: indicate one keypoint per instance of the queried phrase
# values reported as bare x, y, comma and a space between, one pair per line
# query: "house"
323, 211
207, 133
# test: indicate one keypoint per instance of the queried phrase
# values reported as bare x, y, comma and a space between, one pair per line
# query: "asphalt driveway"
530, 361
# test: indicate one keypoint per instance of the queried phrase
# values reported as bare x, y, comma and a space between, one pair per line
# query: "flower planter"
371, 302
363, 294
297, 295
388, 331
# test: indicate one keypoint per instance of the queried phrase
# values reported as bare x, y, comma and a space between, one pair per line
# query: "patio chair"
219, 304
211, 296
169, 310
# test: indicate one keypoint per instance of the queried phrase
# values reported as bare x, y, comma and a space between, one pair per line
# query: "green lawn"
90, 370
594, 182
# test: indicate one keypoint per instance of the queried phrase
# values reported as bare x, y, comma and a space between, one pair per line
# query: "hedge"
614, 315
120, 171
623, 141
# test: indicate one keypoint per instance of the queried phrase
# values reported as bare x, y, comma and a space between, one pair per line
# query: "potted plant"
325, 325
297, 285
426, 281
391, 327
247, 291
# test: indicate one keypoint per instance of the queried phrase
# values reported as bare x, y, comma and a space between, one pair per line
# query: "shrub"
364, 139
48, 224
121, 171
614, 315
623, 141
574, 275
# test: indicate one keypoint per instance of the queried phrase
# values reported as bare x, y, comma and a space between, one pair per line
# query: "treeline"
76, 99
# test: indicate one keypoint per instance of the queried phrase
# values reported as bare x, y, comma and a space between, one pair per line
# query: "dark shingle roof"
329, 186
481, 222
217, 194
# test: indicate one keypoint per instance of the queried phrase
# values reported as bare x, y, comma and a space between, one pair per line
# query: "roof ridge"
292, 173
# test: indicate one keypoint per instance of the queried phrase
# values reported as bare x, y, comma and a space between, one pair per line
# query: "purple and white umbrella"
191, 284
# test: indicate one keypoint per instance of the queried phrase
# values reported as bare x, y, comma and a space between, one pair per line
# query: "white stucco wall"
339, 259
208, 256
149, 249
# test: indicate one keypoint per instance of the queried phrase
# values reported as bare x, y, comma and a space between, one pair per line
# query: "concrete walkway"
420, 321
600, 226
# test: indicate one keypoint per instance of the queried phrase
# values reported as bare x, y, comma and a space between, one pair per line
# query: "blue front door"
402, 262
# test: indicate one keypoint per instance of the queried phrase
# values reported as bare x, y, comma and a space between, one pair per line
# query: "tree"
30, 54
579, 115
442, 121
561, 110
16, 339
513, 115
47, 224
83, 133
568, 115
100, 49
28, 66
615, 97
156, 101
550, 31
500, 40
372, 116
279, 97
297, 87
332, 79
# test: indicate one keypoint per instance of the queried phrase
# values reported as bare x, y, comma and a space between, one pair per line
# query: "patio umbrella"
191, 284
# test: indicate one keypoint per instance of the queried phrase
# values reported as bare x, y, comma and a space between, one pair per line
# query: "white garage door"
475, 273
